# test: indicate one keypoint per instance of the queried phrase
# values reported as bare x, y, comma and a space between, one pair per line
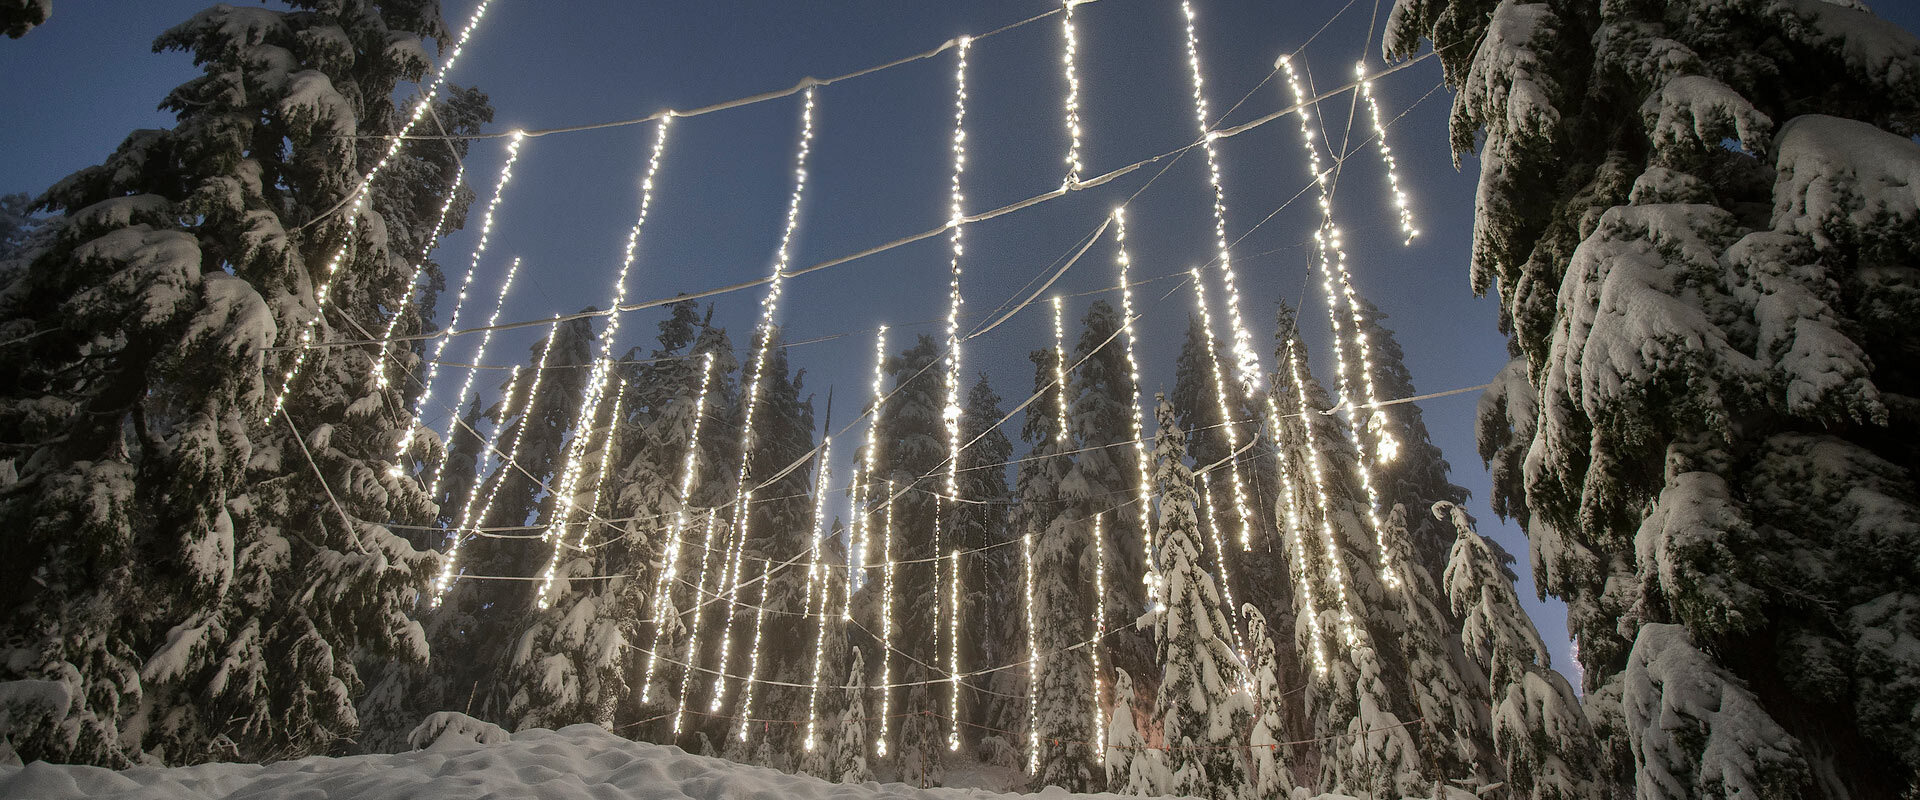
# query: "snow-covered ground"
581, 762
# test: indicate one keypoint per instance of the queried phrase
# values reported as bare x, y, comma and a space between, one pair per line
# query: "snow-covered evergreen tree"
1696, 218
1271, 767
1538, 728
992, 576
1124, 741
204, 582
850, 738
1061, 595
1203, 702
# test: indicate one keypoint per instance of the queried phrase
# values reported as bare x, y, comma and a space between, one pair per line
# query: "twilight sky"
880, 171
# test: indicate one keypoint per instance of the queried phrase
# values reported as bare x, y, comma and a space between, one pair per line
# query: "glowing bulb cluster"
472, 515
1072, 111
358, 202
669, 567
1246, 364
1140, 459
603, 367
814, 577
1221, 392
769, 309
1060, 370
1033, 659
953, 651
1329, 540
466, 385
459, 302
1337, 286
1099, 637
1401, 205
380, 377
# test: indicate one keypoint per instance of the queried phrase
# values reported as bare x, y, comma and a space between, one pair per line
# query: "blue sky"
880, 170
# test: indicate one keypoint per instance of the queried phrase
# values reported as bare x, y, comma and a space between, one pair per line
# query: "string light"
1220, 556
1140, 459
380, 378
459, 302
693, 635
669, 568
886, 622
953, 652
1060, 369
1033, 660
1099, 636
479, 357
607, 442
813, 577
357, 202
1332, 263
753, 665
769, 308
1072, 111
1401, 205
951, 413
869, 459
1328, 539
603, 368
1246, 363
441, 581
467, 514
1220, 391
1296, 547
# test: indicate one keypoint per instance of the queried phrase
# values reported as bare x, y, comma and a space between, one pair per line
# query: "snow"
1699, 111
580, 762
1843, 182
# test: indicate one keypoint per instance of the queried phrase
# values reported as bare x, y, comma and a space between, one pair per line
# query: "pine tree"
1687, 210
991, 576
1272, 768
1202, 707
1450, 696
1124, 741
1538, 728
1061, 602
195, 583
850, 739
913, 444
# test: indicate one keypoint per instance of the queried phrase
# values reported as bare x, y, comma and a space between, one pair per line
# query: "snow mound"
580, 762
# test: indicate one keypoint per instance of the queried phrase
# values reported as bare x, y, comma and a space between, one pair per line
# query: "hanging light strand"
669, 568
1063, 436
357, 202
1337, 287
1099, 636
693, 634
1246, 364
1401, 204
1295, 523
869, 458
1329, 540
472, 517
453, 320
1221, 391
1033, 659
1071, 112
886, 623
466, 385
603, 367
814, 577
753, 663
380, 377
1141, 461
769, 313
951, 413
454, 537
1220, 559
